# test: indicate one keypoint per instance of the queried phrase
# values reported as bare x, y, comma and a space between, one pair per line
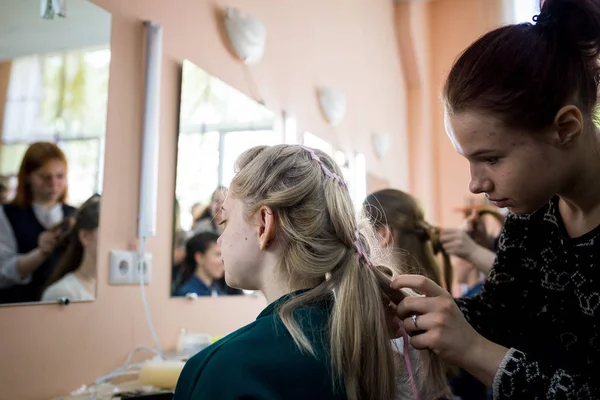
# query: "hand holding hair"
47, 241
435, 322
458, 243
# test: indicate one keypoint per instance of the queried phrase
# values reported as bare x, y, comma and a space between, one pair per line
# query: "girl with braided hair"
400, 224
290, 231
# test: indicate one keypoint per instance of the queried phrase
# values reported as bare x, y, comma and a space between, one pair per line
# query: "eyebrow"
480, 153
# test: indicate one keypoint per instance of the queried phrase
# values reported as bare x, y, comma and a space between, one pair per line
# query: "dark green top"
261, 361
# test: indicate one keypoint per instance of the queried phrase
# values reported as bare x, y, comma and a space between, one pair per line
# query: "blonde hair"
321, 237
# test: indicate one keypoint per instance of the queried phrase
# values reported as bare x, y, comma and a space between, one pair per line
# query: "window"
217, 124
60, 98
206, 160
524, 10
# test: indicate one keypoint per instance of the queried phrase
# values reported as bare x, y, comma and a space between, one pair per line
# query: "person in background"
201, 268
473, 243
4, 189
31, 224
74, 276
291, 232
401, 225
520, 105
209, 219
196, 211
481, 227
179, 236
474, 246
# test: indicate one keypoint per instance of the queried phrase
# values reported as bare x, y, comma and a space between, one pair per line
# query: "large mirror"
54, 69
217, 123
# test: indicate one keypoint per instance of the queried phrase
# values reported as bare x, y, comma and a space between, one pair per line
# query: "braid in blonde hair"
325, 246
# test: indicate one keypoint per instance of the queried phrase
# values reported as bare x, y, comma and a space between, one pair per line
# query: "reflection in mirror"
53, 97
217, 123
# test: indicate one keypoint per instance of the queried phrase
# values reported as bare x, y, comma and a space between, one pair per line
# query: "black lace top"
542, 300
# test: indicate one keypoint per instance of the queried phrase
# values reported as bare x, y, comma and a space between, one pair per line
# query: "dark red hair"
36, 156
525, 73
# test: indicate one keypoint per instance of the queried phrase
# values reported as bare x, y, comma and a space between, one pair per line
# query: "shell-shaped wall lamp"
246, 33
381, 143
333, 104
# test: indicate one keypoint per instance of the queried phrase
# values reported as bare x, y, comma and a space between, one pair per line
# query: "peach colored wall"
48, 350
374, 183
423, 163
454, 25
440, 30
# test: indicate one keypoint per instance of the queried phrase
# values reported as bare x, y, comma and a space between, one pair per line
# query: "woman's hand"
457, 242
441, 327
47, 241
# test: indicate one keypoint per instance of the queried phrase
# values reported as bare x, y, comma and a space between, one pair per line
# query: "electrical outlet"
126, 270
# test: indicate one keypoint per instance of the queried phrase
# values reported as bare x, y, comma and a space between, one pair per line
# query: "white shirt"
9, 277
68, 286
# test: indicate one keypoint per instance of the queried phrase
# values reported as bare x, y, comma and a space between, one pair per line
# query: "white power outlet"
126, 270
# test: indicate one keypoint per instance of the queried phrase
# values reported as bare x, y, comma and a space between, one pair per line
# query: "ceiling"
23, 32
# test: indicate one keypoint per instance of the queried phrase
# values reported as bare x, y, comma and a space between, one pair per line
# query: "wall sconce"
51, 8
381, 144
246, 34
333, 104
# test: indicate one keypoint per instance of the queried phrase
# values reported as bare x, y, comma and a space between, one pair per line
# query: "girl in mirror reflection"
75, 274
291, 232
208, 220
31, 225
202, 267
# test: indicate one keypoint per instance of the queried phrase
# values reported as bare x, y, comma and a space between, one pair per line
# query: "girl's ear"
84, 237
385, 235
266, 227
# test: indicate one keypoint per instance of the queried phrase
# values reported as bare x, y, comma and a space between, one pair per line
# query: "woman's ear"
568, 125
198, 258
266, 227
385, 235
84, 237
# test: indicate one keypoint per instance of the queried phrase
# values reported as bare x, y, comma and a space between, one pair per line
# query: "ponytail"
327, 248
86, 218
433, 235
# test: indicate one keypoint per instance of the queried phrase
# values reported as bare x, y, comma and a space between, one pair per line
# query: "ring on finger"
414, 320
